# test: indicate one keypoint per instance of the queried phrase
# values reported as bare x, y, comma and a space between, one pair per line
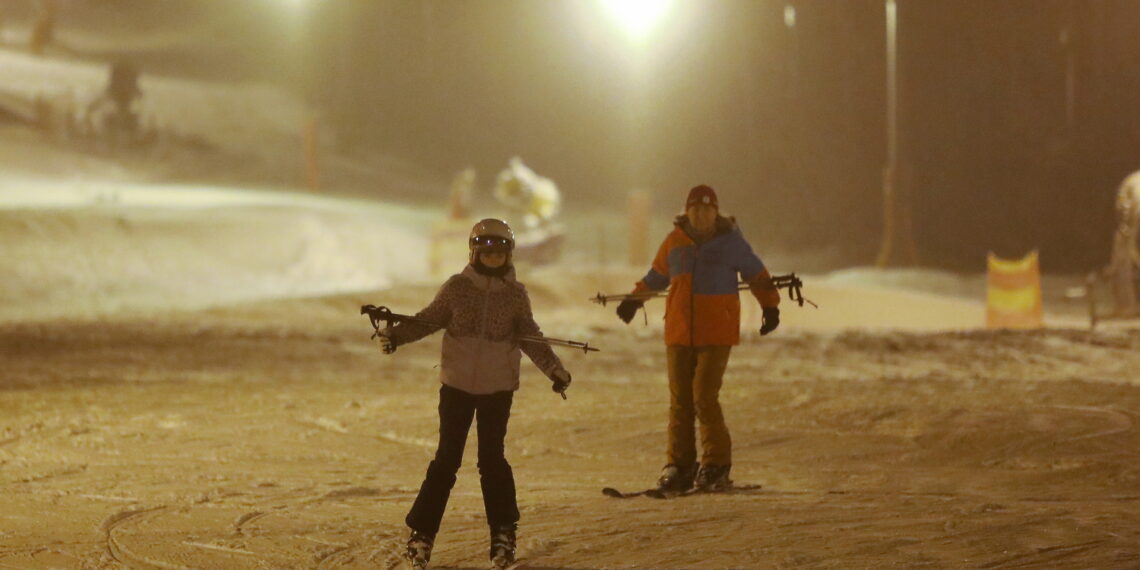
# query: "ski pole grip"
378, 314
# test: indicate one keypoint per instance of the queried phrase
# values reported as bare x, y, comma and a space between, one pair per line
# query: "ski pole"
585, 346
602, 299
794, 286
383, 314
378, 315
790, 282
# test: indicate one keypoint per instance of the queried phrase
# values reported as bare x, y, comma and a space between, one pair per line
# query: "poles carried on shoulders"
790, 282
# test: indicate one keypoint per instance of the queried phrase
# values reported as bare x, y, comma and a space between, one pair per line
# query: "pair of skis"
657, 493
410, 564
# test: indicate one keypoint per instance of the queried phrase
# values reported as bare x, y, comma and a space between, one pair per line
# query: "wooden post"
43, 31
1090, 293
312, 164
638, 227
603, 259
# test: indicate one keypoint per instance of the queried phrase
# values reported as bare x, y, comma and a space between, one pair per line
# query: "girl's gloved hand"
387, 343
561, 380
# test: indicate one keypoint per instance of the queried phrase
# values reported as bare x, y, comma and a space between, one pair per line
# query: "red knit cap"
701, 195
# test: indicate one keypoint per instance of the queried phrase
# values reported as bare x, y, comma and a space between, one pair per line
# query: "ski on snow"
611, 492
660, 494
409, 564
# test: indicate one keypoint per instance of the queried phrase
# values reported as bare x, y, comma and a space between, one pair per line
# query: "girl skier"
484, 311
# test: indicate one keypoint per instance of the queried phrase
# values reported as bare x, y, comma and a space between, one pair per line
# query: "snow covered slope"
89, 249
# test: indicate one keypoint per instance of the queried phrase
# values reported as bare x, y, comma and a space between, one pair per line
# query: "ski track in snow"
861, 463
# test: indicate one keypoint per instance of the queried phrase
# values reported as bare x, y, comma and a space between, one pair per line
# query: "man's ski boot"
419, 550
712, 478
503, 546
676, 479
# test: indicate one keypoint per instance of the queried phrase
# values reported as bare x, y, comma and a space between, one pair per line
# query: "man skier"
699, 262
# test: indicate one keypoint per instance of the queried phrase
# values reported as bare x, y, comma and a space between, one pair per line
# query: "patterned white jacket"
483, 317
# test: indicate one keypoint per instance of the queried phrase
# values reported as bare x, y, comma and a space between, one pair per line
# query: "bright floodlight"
637, 16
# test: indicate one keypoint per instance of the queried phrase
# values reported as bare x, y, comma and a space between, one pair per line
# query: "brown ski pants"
695, 376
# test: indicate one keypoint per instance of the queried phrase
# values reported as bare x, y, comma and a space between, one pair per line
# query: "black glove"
627, 309
561, 380
770, 321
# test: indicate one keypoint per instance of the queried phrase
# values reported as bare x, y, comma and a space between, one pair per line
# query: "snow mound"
86, 251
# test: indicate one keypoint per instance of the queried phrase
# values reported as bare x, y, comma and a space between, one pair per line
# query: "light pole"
896, 196
892, 86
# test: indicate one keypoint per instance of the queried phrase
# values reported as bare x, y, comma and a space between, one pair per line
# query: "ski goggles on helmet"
492, 244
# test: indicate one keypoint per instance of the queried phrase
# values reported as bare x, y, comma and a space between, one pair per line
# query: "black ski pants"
456, 411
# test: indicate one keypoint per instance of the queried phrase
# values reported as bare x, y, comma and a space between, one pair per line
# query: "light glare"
790, 16
637, 17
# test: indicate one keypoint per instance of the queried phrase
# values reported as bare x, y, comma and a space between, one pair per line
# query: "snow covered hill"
86, 250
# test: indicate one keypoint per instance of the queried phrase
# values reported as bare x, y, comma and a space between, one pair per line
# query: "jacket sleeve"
437, 312
539, 352
764, 290
657, 279
753, 272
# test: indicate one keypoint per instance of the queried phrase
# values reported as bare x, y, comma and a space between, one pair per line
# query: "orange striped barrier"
1013, 293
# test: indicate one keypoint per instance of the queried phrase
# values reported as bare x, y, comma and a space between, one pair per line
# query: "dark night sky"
788, 123
726, 96
998, 163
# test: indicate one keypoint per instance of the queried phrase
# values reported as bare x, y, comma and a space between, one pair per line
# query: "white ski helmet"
491, 235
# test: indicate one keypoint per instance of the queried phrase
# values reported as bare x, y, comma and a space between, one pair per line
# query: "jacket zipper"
693, 298
482, 332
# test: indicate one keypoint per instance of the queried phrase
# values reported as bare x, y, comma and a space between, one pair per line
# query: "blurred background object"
536, 201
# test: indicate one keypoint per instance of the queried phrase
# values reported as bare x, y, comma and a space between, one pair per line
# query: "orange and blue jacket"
703, 304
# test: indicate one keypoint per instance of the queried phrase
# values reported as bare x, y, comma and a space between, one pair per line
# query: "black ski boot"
676, 479
419, 550
713, 478
503, 546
